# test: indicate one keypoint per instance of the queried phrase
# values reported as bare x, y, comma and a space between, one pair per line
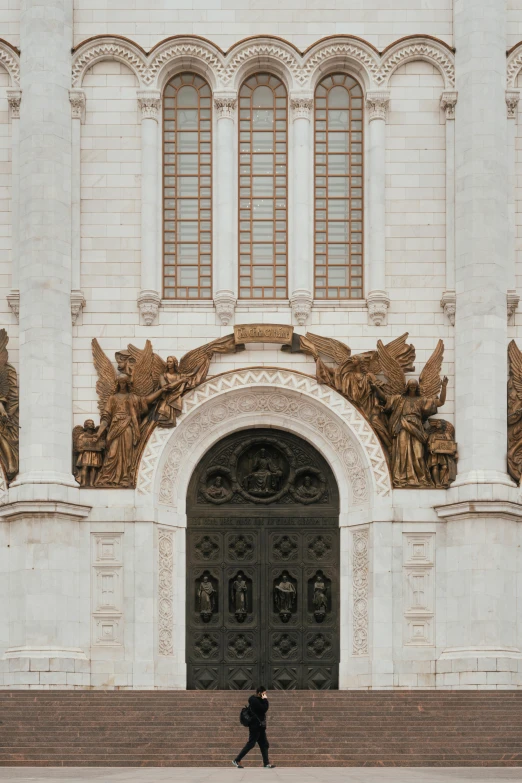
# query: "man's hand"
263, 696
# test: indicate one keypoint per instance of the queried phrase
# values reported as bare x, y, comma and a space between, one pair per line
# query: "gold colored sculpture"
408, 404
442, 452
355, 376
9, 414
144, 392
514, 410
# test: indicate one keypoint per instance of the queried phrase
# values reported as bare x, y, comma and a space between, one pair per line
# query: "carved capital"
377, 102
14, 99
77, 304
378, 303
512, 300
302, 106
13, 300
77, 99
149, 102
448, 303
448, 101
148, 305
512, 99
301, 304
225, 105
225, 304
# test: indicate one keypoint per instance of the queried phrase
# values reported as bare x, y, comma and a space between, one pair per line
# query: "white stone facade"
93, 581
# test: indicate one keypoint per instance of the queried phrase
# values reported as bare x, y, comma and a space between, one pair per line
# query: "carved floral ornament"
300, 70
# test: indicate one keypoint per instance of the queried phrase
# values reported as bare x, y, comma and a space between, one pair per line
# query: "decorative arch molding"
514, 65
420, 48
300, 70
266, 397
109, 48
10, 60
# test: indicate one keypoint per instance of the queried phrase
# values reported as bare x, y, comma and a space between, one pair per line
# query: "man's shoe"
237, 764
269, 766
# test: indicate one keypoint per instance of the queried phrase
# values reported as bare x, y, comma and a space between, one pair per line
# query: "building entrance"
263, 566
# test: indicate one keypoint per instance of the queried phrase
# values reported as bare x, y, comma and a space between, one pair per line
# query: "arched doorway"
262, 566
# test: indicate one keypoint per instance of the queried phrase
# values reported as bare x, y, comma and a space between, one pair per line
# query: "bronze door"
263, 566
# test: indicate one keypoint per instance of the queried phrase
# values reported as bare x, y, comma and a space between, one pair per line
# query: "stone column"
512, 100
481, 241
225, 257
149, 298
302, 260
44, 511
377, 299
77, 99
14, 98
448, 102
482, 510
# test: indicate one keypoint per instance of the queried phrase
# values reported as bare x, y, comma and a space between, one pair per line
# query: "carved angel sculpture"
514, 405
177, 378
408, 405
8, 411
354, 376
121, 412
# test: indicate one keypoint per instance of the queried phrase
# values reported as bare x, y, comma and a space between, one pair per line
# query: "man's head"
412, 387
260, 690
218, 481
307, 481
89, 425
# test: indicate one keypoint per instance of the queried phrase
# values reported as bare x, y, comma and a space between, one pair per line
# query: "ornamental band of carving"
360, 580
165, 591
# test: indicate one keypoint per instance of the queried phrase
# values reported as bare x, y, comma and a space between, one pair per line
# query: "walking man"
258, 705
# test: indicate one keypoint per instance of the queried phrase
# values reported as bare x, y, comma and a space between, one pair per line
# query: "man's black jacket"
258, 708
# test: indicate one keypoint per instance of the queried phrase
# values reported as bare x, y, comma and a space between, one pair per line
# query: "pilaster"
14, 99
225, 257
149, 299
377, 102
301, 261
77, 100
448, 302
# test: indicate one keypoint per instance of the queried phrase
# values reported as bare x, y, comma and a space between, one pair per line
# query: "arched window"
263, 130
187, 188
338, 188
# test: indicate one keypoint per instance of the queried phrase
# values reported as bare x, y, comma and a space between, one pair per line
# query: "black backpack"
245, 717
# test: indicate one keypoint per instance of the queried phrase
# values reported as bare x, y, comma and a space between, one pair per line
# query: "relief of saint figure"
285, 597
320, 599
265, 477
240, 590
206, 598
217, 490
307, 490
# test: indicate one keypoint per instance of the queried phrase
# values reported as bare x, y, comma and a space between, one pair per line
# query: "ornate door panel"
263, 566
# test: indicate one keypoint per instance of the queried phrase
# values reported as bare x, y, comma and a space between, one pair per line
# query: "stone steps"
305, 728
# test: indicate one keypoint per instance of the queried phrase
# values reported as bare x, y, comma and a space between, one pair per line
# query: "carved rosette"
377, 102
301, 303
302, 106
14, 99
225, 105
512, 99
360, 579
77, 99
148, 305
225, 304
165, 591
149, 102
448, 101
378, 303
448, 303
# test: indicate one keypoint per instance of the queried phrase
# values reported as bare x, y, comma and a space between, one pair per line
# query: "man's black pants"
258, 735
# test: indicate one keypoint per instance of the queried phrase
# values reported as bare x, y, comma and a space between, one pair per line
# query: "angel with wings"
355, 376
177, 378
8, 411
408, 405
514, 404
122, 403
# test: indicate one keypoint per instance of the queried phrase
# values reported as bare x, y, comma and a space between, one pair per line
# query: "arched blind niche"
338, 188
263, 132
187, 188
